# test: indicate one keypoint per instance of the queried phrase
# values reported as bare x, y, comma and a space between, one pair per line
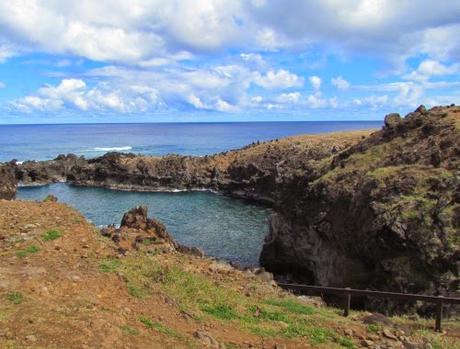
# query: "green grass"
15, 297
51, 235
153, 325
267, 316
146, 322
220, 311
292, 306
129, 331
373, 328
109, 265
27, 251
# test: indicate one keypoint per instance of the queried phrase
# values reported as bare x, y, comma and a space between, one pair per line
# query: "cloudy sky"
224, 60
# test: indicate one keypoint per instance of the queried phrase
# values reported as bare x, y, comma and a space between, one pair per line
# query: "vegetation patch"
109, 265
15, 297
129, 331
265, 317
27, 251
150, 324
292, 306
220, 311
51, 235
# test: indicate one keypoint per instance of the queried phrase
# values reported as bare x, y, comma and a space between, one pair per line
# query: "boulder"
391, 120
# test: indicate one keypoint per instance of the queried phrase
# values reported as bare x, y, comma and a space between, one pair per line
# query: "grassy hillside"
64, 285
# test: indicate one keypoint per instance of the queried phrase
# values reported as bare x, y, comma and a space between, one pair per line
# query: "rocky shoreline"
374, 210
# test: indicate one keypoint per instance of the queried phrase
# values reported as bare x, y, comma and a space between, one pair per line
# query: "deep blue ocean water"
44, 142
223, 227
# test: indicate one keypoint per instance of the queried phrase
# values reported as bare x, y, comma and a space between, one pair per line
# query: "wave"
125, 148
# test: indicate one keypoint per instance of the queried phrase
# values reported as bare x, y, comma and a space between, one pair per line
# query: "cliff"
366, 210
385, 214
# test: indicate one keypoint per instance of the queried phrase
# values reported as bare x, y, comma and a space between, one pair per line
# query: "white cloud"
429, 68
2, 85
293, 97
340, 83
75, 94
317, 101
281, 79
151, 30
373, 101
255, 58
315, 82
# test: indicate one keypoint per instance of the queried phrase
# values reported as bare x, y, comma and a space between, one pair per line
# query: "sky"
225, 60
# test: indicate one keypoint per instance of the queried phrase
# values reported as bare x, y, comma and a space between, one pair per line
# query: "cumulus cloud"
226, 55
142, 30
340, 83
75, 94
430, 68
315, 82
279, 79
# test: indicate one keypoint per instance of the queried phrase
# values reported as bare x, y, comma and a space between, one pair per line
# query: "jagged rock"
393, 119
50, 198
376, 319
7, 182
208, 340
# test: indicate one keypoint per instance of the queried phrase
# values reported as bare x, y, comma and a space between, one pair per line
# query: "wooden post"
438, 315
346, 308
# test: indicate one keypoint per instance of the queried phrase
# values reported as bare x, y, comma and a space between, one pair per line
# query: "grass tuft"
51, 235
220, 311
109, 265
27, 251
15, 297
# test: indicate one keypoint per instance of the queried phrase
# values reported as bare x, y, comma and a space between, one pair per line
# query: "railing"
348, 292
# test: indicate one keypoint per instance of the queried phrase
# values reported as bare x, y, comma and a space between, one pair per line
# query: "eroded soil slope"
65, 285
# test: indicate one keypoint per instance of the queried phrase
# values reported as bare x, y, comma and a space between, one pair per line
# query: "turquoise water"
223, 227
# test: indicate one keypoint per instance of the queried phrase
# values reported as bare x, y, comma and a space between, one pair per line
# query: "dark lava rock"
391, 120
383, 216
7, 182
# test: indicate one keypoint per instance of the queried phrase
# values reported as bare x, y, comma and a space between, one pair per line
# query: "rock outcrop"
384, 215
137, 228
7, 182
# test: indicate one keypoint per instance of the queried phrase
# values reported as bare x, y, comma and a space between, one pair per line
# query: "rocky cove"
378, 210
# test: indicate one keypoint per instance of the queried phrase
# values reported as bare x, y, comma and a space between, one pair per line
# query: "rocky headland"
378, 210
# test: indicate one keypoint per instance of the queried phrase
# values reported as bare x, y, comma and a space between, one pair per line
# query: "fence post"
438, 315
346, 308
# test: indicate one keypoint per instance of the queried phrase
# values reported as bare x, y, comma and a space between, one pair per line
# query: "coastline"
328, 191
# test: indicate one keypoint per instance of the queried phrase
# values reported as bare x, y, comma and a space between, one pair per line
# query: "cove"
222, 227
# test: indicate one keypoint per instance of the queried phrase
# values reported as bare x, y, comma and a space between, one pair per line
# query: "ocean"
226, 228
45, 142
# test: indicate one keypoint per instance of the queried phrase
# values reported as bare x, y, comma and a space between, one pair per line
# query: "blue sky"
225, 60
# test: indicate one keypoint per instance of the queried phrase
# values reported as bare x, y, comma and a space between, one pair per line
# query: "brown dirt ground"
68, 302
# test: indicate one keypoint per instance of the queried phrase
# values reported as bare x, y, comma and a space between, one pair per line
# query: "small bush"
51, 235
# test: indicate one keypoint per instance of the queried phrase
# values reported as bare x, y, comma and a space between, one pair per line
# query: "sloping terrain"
66, 284
377, 210
384, 214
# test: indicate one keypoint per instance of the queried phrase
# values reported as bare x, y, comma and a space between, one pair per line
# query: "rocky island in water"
373, 210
